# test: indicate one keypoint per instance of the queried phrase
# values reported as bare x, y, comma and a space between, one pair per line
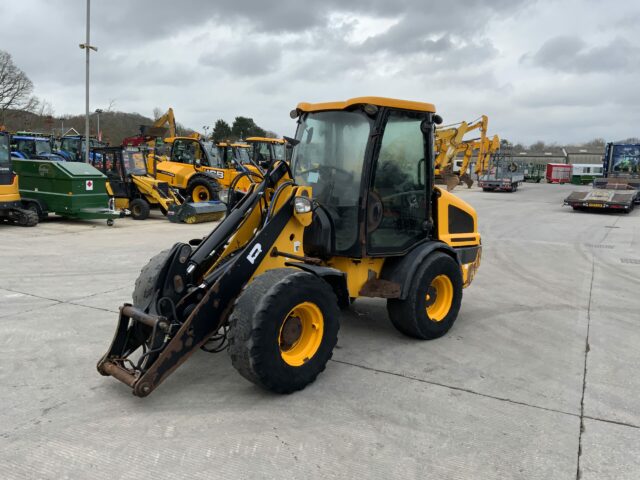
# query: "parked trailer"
70, 189
619, 188
503, 174
558, 173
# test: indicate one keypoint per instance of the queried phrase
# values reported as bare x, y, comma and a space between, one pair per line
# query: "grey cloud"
245, 59
572, 54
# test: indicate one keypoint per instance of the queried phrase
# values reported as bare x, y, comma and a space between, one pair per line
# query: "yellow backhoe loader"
134, 190
355, 215
201, 176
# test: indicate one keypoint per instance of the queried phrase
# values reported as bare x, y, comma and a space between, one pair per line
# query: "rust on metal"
380, 288
119, 373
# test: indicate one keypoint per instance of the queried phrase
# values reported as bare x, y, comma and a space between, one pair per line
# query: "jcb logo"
217, 173
254, 253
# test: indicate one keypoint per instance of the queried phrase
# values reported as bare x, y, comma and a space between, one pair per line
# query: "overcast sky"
558, 71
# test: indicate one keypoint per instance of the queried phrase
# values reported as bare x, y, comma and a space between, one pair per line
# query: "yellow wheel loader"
199, 175
11, 208
133, 189
355, 215
267, 150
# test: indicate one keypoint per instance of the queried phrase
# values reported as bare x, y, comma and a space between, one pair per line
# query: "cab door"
396, 213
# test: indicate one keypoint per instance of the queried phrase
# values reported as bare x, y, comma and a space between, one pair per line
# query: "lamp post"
206, 129
87, 47
98, 112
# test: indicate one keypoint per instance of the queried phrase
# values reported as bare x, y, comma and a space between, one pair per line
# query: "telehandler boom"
355, 215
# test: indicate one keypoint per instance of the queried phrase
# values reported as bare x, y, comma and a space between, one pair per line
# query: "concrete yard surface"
538, 378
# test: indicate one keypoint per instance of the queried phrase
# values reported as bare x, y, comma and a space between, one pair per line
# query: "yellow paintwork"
443, 291
265, 139
312, 330
10, 193
148, 186
455, 239
178, 174
491, 147
379, 101
449, 141
120, 203
358, 271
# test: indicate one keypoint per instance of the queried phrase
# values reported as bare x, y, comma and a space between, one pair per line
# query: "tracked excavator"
356, 214
11, 209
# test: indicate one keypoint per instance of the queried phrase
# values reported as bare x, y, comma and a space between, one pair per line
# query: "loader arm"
148, 186
196, 290
490, 147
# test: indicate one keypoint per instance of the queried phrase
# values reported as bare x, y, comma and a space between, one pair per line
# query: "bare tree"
15, 87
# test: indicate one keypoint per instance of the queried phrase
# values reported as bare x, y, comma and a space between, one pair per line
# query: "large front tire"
433, 301
283, 329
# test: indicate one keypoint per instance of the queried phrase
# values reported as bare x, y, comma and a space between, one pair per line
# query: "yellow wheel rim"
200, 194
439, 298
301, 334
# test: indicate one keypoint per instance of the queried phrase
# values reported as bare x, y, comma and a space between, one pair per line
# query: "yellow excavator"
10, 205
164, 126
485, 147
449, 143
356, 214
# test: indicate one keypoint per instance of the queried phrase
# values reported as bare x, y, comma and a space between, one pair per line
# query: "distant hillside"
114, 125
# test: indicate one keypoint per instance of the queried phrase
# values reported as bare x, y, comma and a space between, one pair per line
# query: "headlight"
302, 205
223, 195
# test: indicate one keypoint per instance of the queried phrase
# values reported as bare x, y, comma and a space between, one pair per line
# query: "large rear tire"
203, 189
283, 329
434, 299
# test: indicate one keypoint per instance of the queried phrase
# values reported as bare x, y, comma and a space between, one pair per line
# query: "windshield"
279, 151
329, 158
5, 156
626, 159
134, 163
242, 155
31, 147
70, 144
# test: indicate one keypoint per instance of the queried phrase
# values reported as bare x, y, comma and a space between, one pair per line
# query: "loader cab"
370, 164
265, 151
118, 165
189, 151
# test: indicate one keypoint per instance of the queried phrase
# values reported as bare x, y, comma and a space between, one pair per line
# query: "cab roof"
30, 137
235, 144
264, 139
378, 101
